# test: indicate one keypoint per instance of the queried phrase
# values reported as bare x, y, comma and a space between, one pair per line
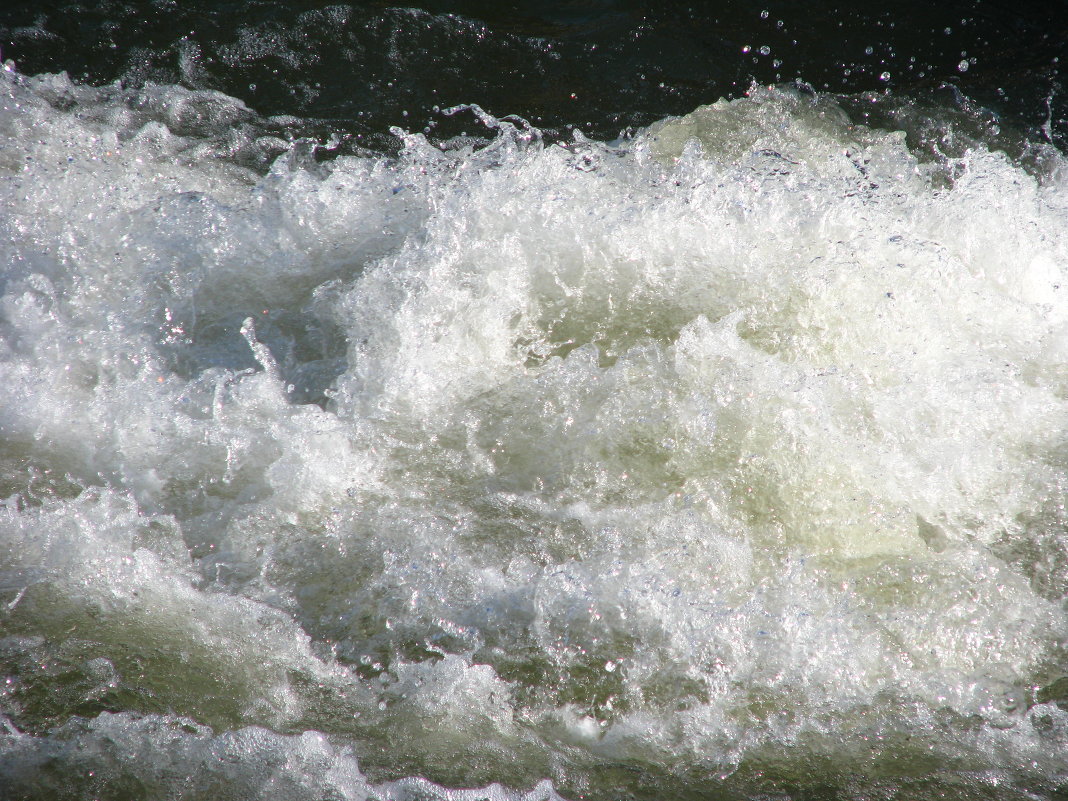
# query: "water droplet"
869, 50
765, 50
764, 14
963, 66
885, 76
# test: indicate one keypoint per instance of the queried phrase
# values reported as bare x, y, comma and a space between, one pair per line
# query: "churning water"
725, 460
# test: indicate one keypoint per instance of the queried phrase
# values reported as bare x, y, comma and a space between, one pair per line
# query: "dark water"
602, 67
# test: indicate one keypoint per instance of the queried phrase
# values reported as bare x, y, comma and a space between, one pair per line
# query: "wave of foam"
732, 455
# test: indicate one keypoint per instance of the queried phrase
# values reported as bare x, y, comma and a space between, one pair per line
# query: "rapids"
729, 458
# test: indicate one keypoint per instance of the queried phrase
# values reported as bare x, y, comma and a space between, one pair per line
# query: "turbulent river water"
724, 457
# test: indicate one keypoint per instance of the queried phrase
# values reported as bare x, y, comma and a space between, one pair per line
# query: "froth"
184, 758
733, 445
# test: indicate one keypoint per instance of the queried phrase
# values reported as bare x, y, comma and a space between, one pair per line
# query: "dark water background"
602, 66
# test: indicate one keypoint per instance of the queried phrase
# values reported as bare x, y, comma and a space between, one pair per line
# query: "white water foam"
731, 454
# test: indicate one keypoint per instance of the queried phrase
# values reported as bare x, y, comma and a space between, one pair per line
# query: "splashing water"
726, 458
